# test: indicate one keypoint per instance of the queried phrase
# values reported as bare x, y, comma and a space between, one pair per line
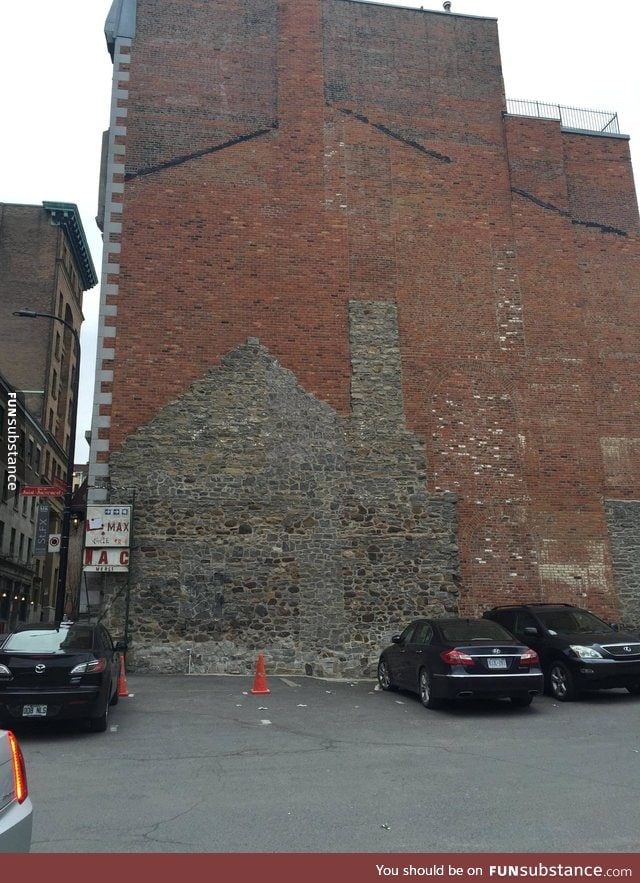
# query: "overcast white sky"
55, 96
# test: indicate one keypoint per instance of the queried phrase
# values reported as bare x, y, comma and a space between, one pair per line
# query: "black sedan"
59, 671
454, 658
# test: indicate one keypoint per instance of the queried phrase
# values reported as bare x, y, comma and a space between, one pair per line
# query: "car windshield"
474, 630
48, 640
572, 622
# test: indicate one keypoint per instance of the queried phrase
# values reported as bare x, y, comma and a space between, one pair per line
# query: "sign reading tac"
108, 560
107, 526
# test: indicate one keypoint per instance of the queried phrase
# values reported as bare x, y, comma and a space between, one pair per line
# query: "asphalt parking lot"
200, 764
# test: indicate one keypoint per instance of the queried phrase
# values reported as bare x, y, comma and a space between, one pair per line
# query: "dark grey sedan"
52, 671
454, 658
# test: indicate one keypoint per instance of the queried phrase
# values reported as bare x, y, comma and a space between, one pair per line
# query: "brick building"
22, 441
45, 266
369, 334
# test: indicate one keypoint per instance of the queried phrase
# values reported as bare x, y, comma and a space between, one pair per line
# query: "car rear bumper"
455, 686
59, 704
16, 824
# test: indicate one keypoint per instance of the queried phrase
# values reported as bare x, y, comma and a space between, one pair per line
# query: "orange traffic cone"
122, 681
260, 682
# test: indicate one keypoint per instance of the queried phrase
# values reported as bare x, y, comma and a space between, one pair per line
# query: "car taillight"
456, 657
529, 657
92, 667
19, 770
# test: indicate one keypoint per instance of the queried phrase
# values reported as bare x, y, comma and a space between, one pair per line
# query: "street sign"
42, 530
54, 542
43, 490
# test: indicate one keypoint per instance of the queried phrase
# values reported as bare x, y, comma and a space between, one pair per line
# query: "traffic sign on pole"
44, 490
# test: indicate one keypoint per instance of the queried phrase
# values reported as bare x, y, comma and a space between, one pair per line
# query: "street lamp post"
66, 516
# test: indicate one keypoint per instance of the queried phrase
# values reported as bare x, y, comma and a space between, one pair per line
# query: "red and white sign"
43, 490
54, 542
108, 560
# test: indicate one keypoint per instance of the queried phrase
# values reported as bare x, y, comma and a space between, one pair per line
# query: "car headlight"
5, 672
585, 652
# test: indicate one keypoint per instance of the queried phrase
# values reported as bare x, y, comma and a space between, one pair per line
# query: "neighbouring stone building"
369, 334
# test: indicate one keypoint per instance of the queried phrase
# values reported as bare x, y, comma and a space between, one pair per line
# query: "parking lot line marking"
289, 683
265, 722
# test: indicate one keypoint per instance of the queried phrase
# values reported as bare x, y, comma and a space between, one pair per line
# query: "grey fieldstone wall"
623, 519
266, 523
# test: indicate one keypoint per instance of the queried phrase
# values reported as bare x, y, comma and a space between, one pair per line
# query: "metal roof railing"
603, 121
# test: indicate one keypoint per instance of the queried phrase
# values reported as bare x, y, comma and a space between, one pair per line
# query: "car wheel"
384, 676
99, 724
634, 689
522, 700
425, 689
561, 683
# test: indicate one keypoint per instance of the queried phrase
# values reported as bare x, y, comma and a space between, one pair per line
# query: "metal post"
128, 595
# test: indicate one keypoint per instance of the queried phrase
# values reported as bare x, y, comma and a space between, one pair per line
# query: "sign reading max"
107, 537
107, 526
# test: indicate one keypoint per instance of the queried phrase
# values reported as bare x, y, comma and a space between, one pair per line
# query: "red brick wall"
284, 158
28, 250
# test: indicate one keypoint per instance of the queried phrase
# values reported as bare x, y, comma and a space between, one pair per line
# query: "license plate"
497, 663
34, 711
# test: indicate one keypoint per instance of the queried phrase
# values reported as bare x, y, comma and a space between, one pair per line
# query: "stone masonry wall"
266, 523
623, 518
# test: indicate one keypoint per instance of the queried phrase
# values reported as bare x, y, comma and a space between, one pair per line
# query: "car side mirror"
615, 626
395, 639
530, 630
121, 646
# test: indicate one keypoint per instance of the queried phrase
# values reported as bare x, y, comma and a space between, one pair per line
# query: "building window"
50, 424
54, 385
29, 550
21, 548
1, 536
58, 340
12, 543
36, 463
